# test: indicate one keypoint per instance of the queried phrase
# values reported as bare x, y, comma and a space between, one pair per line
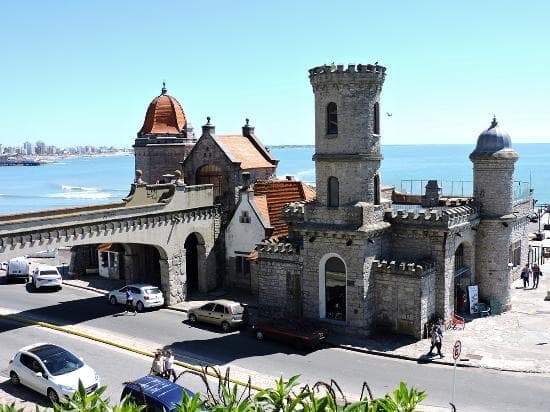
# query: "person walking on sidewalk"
537, 273
436, 341
525, 274
130, 301
157, 368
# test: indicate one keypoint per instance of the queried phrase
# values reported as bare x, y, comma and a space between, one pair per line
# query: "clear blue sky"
76, 72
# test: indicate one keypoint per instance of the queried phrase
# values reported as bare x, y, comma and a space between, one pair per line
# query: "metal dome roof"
492, 140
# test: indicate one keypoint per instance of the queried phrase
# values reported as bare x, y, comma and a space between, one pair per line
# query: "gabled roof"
242, 149
278, 193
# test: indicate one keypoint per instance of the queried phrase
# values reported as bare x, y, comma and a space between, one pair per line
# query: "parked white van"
18, 268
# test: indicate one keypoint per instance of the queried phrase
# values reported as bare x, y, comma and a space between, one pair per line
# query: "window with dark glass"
459, 258
333, 192
211, 174
376, 119
335, 289
332, 118
376, 189
242, 265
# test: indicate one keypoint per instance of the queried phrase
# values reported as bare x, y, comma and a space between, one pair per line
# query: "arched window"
459, 257
376, 119
376, 189
211, 174
333, 192
335, 289
332, 118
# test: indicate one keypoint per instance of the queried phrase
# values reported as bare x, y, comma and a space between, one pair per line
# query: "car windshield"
58, 361
152, 291
48, 272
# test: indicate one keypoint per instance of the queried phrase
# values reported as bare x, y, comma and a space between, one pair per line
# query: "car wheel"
226, 326
140, 307
53, 396
192, 318
14, 378
259, 336
113, 300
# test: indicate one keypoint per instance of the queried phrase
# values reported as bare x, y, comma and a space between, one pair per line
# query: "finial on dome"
207, 119
247, 120
163, 91
494, 123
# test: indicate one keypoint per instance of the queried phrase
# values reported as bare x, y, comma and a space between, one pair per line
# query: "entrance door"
191, 263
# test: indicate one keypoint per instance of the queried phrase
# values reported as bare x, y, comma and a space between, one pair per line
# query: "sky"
76, 72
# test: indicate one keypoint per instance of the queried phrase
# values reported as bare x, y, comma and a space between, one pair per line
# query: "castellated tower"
347, 133
493, 160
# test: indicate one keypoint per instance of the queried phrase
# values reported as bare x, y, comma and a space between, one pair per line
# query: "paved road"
476, 389
114, 366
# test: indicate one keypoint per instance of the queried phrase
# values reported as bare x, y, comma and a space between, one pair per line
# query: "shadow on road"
24, 394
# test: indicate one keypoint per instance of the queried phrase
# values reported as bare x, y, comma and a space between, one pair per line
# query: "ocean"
92, 180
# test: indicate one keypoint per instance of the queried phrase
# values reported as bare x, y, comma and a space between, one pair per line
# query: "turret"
347, 133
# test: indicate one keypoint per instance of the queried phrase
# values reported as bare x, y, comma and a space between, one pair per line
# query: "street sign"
457, 347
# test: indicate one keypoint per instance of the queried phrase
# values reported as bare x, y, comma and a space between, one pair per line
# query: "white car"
52, 371
46, 276
4, 266
144, 296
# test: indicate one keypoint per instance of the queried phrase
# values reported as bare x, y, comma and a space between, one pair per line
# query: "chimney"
431, 198
290, 178
208, 128
248, 130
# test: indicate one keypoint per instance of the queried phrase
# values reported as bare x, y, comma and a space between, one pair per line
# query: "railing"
522, 190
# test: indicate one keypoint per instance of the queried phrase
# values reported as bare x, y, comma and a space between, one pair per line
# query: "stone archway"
462, 277
332, 287
195, 265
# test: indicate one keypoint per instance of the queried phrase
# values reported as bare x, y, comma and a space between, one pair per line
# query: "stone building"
164, 140
355, 260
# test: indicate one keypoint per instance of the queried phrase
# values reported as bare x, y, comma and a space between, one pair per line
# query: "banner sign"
474, 299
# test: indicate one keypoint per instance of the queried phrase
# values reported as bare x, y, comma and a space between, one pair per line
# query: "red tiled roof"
278, 193
261, 202
164, 115
242, 150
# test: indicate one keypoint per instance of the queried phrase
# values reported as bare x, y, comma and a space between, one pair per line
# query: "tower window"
333, 192
376, 189
332, 118
376, 119
244, 217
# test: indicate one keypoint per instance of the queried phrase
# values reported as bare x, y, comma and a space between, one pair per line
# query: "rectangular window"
244, 217
242, 265
515, 253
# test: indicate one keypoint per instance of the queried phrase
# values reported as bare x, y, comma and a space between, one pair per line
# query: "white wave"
79, 188
80, 195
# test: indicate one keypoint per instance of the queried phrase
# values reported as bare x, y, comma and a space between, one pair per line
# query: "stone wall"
404, 297
155, 160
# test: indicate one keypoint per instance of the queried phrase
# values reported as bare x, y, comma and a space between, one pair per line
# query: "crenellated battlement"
422, 268
276, 246
372, 70
449, 217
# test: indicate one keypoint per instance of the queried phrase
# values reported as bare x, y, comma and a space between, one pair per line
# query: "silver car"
224, 313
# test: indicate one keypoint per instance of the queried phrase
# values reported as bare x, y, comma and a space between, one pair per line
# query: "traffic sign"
457, 348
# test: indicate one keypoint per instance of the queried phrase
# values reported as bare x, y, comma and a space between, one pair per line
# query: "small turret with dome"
494, 142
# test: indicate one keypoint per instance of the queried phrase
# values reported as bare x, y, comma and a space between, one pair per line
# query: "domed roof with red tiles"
164, 116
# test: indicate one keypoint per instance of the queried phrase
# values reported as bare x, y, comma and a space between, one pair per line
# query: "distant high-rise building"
28, 148
40, 147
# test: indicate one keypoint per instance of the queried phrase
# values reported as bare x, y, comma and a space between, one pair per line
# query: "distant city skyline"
84, 73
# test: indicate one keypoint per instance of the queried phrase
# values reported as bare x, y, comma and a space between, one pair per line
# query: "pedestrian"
525, 274
169, 371
440, 327
537, 273
436, 339
157, 368
130, 301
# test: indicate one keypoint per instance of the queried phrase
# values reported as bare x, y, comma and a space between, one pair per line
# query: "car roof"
29, 348
45, 350
160, 389
223, 302
141, 285
46, 267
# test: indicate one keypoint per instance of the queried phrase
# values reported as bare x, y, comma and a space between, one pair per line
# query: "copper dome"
164, 116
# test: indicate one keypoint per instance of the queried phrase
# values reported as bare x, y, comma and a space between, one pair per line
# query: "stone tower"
347, 133
164, 140
493, 163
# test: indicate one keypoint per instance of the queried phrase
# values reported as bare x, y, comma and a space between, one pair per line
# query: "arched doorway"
462, 277
332, 288
211, 174
191, 263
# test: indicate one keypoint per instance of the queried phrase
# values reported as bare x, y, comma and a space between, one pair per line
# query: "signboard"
474, 298
457, 348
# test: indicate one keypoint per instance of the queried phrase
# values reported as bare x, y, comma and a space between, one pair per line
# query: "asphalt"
517, 340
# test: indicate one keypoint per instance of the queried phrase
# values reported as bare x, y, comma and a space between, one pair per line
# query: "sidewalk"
517, 340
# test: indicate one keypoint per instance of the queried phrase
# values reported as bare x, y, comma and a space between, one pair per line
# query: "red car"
298, 334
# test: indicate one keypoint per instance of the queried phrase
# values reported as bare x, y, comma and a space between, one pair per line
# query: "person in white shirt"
157, 369
169, 371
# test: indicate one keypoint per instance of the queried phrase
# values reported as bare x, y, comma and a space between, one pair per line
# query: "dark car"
156, 393
298, 334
